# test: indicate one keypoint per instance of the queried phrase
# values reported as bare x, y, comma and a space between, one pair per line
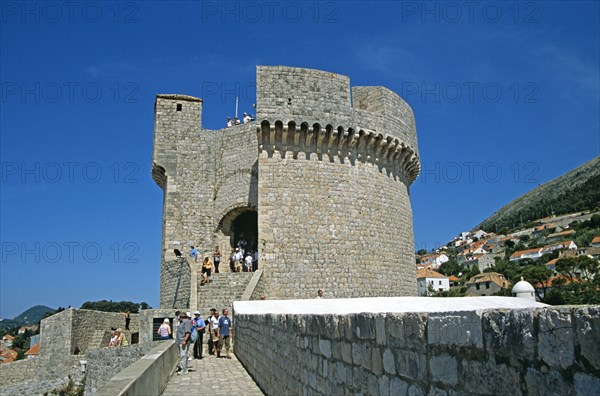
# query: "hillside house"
486, 284
532, 254
427, 277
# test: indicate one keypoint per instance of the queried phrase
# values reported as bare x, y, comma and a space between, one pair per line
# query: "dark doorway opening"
245, 227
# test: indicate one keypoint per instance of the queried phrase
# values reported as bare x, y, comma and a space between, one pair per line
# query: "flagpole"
236, 106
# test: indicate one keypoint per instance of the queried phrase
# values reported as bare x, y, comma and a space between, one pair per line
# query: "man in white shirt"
247, 118
238, 257
214, 331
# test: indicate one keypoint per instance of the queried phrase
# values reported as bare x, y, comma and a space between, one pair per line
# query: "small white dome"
522, 287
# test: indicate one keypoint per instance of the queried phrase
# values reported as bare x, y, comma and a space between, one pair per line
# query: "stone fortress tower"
319, 181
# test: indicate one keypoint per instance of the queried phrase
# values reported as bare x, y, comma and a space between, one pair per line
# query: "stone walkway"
212, 376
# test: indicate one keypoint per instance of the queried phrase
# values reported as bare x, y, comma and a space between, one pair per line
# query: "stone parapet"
518, 351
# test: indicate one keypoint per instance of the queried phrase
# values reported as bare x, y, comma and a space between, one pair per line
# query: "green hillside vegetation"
575, 191
30, 317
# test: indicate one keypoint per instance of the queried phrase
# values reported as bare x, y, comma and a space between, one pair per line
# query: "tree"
537, 275
110, 306
451, 267
580, 284
422, 252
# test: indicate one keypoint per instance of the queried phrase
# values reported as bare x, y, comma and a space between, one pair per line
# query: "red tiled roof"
596, 239
428, 273
34, 350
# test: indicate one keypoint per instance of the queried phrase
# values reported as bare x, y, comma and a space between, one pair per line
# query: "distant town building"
434, 261
486, 284
526, 254
427, 277
481, 261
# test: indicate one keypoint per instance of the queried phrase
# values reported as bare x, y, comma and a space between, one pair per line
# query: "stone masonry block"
586, 384
555, 338
444, 369
325, 348
364, 326
406, 330
411, 364
510, 333
455, 328
487, 377
389, 365
549, 383
587, 325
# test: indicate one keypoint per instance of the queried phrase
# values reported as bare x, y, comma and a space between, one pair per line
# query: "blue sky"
505, 94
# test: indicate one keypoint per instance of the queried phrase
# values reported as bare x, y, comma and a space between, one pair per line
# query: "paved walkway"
212, 376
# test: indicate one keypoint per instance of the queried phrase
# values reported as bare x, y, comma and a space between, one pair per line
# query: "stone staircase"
224, 289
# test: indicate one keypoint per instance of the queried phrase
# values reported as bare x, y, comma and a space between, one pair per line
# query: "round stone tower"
324, 173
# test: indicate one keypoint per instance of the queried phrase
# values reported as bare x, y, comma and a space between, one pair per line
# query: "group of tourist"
190, 331
117, 338
246, 118
241, 259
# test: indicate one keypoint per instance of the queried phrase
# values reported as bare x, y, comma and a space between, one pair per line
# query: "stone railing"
322, 346
147, 376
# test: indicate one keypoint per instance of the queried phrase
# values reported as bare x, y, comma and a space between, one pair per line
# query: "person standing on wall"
217, 258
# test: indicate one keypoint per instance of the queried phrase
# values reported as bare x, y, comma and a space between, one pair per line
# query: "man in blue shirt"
225, 333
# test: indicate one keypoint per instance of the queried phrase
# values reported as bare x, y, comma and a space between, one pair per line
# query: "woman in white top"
164, 331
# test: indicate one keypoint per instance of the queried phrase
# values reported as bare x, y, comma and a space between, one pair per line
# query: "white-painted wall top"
344, 306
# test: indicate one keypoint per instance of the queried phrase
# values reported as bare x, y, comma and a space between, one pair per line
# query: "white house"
427, 277
434, 260
559, 245
526, 254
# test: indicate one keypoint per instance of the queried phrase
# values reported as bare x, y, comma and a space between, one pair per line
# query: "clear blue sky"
505, 94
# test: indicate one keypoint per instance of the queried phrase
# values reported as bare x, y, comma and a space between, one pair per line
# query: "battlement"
290, 94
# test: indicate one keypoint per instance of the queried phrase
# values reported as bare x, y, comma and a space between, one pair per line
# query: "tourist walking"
214, 332
217, 258
198, 326
224, 332
206, 270
182, 339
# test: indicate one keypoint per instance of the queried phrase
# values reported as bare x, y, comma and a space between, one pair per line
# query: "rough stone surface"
311, 151
444, 369
405, 358
555, 339
587, 322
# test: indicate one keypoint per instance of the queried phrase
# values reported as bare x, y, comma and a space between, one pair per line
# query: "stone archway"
239, 223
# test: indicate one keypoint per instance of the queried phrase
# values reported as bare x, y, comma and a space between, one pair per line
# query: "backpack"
194, 335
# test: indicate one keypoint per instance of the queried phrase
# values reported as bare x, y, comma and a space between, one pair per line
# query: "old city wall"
517, 352
60, 335
334, 207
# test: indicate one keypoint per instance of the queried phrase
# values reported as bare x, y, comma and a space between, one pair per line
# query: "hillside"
31, 316
574, 191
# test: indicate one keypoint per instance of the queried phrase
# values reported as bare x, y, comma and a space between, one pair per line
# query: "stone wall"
86, 322
175, 284
517, 352
103, 364
30, 377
